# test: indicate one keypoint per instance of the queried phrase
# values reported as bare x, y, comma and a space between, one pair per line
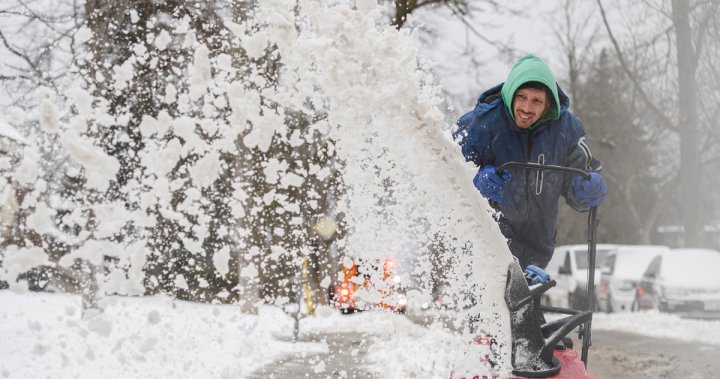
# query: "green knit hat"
531, 69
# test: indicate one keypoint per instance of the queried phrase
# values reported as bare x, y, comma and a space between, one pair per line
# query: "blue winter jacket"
528, 212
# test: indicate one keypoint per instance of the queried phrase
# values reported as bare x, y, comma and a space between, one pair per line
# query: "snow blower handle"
543, 167
592, 230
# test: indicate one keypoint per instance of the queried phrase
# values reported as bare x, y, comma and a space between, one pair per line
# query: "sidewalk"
344, 358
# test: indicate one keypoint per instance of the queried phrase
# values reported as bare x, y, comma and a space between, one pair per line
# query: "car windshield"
691, 268
581, 257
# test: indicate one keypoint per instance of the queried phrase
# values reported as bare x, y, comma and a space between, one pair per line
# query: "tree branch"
633, 78
498, 45
663, 199
702, 29
34, 68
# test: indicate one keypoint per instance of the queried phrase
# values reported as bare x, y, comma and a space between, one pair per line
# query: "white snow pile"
656, 324
45, 336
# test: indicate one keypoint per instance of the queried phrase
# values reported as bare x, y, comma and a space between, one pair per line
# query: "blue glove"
536, 275
489, 183
590, 192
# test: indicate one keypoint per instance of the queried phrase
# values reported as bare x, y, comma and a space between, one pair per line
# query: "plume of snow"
100, 168
18, 260
49, 119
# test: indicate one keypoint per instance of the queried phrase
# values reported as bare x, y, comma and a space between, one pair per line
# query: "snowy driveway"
345, 357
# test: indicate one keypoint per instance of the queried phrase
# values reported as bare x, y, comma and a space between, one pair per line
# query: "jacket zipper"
528, 158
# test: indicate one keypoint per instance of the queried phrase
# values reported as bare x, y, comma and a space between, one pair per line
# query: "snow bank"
663, 325
43, 335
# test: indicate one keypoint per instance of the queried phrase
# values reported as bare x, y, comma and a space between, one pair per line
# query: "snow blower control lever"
535, 275
531, 334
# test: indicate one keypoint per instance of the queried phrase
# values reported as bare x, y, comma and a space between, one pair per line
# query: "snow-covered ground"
656, 324
44, 335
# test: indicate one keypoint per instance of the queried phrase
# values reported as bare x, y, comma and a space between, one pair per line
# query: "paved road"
616, 355
344, 359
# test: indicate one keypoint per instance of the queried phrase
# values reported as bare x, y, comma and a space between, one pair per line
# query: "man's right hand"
489, 183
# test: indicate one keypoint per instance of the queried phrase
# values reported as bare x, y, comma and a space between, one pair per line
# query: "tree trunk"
90, 287
689, 162
248, 283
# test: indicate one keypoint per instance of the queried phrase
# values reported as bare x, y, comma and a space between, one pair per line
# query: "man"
526, 119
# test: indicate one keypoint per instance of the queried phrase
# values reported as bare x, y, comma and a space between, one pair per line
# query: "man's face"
529, 105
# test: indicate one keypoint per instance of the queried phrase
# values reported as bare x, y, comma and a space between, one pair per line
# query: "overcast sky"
530, 30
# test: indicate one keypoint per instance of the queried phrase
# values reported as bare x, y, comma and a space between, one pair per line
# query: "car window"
567, 264
581, 257
653, 267
556, 260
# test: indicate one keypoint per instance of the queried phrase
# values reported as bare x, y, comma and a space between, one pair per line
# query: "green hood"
531, 69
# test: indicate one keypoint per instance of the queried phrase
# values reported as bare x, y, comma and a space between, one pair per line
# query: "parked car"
370, 284
620, 274
569, 268
684, 281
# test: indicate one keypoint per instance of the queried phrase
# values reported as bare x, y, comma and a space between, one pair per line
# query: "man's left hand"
590, 192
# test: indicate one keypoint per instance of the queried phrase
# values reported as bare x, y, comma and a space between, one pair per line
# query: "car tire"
545, 300
577, 302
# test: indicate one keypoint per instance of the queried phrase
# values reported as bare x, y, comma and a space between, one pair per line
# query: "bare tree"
37, 45
601, 97
688, 119
662, 68
577, 35
403, 8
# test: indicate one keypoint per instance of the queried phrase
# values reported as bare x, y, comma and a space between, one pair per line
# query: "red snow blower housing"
539, 348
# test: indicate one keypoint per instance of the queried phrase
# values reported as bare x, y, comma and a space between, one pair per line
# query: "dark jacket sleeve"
578, 156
